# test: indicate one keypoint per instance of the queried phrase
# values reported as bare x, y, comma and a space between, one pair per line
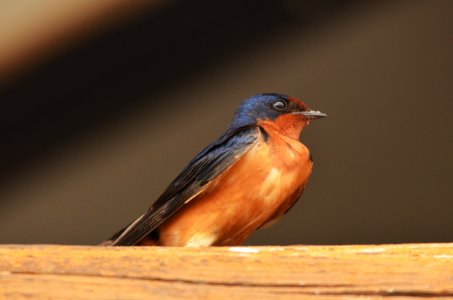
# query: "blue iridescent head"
271, 106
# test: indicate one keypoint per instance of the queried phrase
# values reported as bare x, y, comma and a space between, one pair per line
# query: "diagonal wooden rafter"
31, 30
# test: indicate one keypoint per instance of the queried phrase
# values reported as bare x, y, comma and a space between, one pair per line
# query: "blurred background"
104, 102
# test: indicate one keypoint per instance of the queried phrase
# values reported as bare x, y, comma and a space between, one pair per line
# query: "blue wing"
192, 181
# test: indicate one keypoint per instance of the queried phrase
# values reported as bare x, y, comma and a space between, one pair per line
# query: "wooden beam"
31, 30
406, 271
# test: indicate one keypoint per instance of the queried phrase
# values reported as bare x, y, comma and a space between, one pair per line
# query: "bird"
246, 179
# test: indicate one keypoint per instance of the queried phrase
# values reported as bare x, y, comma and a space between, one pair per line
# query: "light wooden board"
293, 272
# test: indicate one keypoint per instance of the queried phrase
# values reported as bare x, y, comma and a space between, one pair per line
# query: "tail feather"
112, 239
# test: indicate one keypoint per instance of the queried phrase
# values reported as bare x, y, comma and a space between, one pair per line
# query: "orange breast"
243, 198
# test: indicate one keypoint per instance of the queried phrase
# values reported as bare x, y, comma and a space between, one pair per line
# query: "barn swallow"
245, 180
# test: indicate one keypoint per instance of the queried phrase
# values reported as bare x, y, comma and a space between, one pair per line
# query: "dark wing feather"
192, 181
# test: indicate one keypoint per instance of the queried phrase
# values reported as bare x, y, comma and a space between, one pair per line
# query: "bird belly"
241, 199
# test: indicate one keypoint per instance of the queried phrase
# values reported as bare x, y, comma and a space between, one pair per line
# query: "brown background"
93, 133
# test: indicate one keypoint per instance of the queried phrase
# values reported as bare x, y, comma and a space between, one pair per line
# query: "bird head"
285, 114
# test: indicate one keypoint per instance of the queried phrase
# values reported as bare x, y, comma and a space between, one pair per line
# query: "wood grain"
310, 272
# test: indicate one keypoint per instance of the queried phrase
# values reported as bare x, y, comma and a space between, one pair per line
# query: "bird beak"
312, 114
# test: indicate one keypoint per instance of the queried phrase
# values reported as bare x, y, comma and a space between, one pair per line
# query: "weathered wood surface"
294, 272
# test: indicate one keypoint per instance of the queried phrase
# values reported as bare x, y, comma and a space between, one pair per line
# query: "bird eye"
280, 105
